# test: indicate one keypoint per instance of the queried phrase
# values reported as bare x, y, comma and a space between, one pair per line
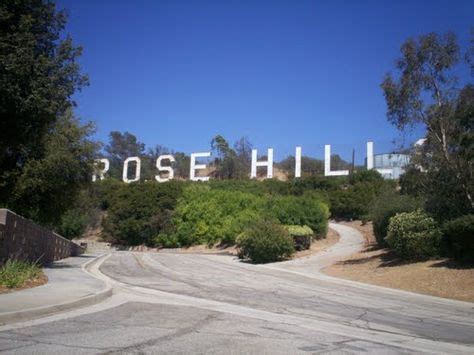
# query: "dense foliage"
44, 152
138, 212
218, 211
210, 216
355, 199
459, 237
264, 241
387, 205
305, 210
414, 235
425, 92
48, 186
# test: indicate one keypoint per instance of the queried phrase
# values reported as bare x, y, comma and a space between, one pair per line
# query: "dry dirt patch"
440, 277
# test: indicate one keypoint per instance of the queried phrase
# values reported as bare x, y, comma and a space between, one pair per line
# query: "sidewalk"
68, 287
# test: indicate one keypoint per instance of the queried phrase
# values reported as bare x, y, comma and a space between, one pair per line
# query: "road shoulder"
68, 287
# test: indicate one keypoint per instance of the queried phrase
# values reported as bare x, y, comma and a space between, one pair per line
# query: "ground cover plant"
15, 273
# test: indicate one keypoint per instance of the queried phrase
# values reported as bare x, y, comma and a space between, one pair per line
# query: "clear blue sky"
283, 73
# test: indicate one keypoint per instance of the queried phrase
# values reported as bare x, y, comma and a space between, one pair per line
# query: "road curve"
170, 302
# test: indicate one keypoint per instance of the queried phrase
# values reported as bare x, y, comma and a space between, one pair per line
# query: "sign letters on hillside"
164, 165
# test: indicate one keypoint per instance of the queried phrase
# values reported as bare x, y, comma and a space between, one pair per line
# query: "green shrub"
15, 273
265, 241
210, 216
73, 224
353, 202
302, 236
387, 205
301, 210
459, 237
370, 176
354, 199
166, 240
138, 212
299, 231
413, 235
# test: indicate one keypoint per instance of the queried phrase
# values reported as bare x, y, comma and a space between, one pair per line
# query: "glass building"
394, 161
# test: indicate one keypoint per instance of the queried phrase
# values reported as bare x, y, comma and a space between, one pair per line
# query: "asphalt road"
191, 303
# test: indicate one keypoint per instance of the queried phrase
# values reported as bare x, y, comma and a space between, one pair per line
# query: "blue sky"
282, 73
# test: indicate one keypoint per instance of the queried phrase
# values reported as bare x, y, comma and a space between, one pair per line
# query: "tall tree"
243, 151
225, 158
426, 92
48, 186
38, 76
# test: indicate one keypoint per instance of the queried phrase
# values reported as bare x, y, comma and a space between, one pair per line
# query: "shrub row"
180, 213
210, 216
416, 235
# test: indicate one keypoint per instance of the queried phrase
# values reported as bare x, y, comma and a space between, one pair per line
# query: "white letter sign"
327, 164
99, 171
137, 169
161, 168
268, 163
298, 162
194, 166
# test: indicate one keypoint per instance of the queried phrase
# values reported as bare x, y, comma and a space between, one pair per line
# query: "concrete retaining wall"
23, 239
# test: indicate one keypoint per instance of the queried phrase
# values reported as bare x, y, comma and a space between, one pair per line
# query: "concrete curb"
38, 312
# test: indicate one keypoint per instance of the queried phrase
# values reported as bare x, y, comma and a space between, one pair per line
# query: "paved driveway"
191, 303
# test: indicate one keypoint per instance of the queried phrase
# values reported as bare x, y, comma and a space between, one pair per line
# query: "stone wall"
23, 239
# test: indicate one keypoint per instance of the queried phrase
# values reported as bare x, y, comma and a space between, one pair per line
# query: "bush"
413, 235
302, 236
459, 237
166, 240
140, 211
387, 205
73, 224
210, 216
299, 231
265, 241
301, 210
15, 273
354, 200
